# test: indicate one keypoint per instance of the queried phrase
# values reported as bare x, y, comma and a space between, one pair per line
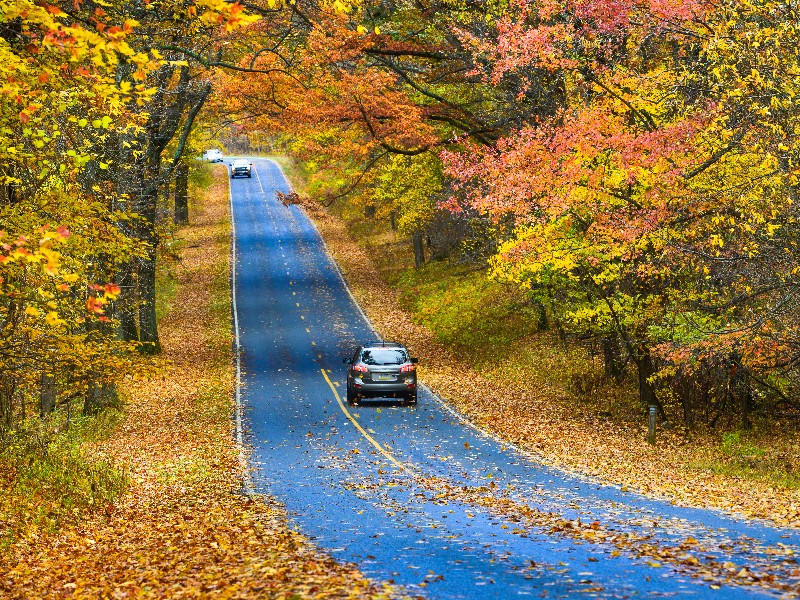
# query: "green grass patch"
49, 474
166, 289
751, 456
466, 310
200, 175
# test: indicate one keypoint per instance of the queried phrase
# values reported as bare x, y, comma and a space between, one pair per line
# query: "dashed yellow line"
370, 439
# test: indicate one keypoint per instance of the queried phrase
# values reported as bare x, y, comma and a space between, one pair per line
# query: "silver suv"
381, 370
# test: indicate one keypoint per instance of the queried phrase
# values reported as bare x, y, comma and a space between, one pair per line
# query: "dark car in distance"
381, 370
240, 168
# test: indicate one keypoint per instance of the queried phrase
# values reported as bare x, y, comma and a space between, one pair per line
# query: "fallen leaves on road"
184, 530
773, 568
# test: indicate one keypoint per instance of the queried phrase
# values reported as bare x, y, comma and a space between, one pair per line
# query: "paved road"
412, 494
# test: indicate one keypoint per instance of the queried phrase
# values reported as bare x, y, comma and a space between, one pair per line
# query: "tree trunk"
647, 394
419, 250
90, 400
146, 207
148, 323
8, 387
745, 396
125, 306
611, 352
181, 215
542, 322
47, 394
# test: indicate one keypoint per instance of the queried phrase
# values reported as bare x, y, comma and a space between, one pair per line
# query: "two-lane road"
413, 495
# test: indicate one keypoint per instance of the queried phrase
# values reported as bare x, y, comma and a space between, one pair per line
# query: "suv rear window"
384, 356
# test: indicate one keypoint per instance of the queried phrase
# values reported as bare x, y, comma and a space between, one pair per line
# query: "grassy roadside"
181, 529
478, 350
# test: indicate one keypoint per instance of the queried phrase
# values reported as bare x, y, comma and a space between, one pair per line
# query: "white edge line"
247, 482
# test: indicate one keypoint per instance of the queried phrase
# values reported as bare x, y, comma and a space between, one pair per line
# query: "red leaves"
95, 305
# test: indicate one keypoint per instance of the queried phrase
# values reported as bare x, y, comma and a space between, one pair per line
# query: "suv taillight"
360, 368
408, 368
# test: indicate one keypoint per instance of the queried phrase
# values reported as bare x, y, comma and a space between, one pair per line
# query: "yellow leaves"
32, 311
364, 30
341, 6
53, 319
220, 12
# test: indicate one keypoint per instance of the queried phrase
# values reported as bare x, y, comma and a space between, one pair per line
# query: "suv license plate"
383, 377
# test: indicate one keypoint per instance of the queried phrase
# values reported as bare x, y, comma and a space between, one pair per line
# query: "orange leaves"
54, 10
112, 290
95, 305
219, 12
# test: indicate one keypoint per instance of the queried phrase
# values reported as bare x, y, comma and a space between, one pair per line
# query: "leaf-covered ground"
529, 410
183, 529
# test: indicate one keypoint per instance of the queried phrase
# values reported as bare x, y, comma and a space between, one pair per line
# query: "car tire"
249, 176
410, 400
352, 399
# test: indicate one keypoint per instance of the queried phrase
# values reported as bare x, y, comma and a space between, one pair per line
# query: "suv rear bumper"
394, 388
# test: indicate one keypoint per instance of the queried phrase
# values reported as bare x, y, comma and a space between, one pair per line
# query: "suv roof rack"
383, 344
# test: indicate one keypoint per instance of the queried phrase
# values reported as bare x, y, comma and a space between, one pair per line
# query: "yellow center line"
371, 440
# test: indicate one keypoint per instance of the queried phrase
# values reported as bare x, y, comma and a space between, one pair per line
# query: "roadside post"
651, 425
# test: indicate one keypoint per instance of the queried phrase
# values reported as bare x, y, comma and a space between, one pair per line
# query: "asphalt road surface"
417, 496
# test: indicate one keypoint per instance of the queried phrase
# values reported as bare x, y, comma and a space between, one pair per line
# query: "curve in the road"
415, 496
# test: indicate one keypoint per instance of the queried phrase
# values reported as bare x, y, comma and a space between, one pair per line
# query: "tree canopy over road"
632, 168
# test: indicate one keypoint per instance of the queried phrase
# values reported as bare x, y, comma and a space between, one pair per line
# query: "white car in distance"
213, 155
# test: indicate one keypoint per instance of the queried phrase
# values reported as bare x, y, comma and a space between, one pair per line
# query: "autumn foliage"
88, 146
632, 168
629, 169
